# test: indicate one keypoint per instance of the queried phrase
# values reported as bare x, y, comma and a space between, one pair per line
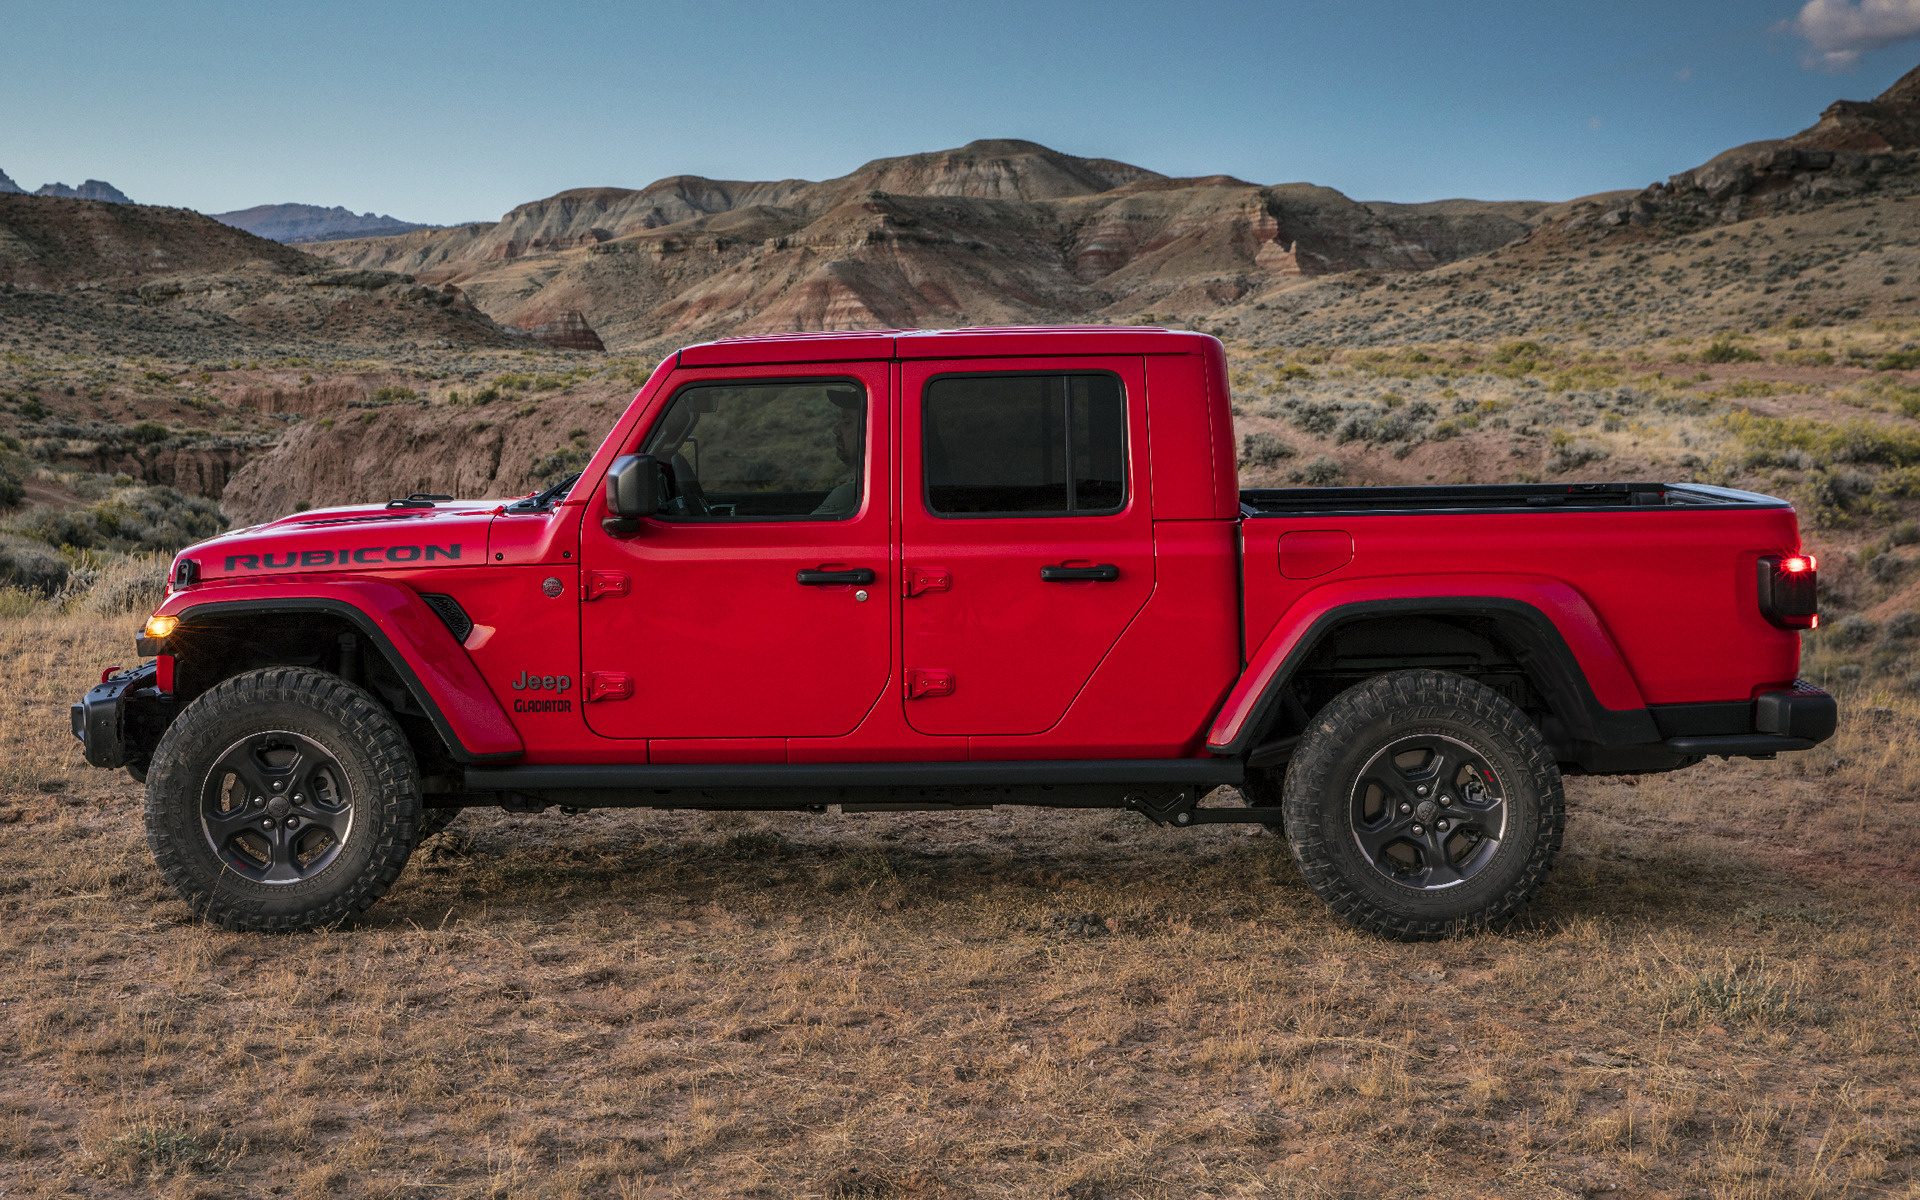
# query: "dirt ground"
1718, 995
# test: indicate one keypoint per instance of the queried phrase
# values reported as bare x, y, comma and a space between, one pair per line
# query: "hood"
358, 538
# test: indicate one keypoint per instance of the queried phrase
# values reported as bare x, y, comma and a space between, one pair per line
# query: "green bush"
1722, 349
560, 463
148, 432
12, 491
1264, 450
131, 519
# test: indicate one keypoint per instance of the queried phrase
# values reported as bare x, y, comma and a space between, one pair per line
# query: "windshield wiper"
542, 501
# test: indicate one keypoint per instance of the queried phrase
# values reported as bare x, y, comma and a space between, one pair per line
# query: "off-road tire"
376, 767
1363, 722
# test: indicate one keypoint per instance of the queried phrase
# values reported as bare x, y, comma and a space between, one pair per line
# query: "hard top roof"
1016, 341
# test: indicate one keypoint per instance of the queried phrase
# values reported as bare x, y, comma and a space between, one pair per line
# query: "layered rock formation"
311, 223
996, 231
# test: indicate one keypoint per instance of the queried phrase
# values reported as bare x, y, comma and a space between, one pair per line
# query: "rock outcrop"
92, 189
9, 186
568, 331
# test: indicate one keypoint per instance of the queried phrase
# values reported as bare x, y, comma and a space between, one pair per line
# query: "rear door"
1027, 540
754, 604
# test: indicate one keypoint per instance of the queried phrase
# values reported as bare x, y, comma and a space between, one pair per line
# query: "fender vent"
458, 623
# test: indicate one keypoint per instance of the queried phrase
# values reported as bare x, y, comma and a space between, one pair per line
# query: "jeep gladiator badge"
536, 683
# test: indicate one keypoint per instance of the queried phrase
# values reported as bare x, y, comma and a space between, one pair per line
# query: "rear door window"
1002, 445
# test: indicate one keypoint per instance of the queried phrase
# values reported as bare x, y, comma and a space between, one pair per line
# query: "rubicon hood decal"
359, 556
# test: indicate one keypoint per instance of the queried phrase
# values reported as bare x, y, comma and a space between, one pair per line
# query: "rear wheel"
1421, 804
282, 799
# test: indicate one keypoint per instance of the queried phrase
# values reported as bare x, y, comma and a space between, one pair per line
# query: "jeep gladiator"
947, 570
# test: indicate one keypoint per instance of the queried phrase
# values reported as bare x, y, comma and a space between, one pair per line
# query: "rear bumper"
120, 720
1798, 718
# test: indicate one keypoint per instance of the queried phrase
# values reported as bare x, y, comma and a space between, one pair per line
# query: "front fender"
1597, 695
437, 670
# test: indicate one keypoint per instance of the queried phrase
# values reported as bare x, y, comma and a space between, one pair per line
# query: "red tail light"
1789, 590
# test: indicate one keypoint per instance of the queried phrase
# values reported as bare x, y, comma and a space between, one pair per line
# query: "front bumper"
120, 720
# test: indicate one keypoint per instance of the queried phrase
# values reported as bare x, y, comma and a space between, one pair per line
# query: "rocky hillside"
125, 278
92, 189
311, 223
994, 232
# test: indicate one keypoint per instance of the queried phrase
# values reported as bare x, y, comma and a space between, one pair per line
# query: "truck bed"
1563, 497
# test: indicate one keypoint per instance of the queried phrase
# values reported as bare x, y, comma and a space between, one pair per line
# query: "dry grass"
1716, 996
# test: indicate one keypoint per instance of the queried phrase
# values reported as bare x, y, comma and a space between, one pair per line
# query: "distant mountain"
312, 223
995, 232
8, 185
92, 189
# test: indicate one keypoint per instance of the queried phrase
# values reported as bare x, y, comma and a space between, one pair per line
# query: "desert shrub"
1737, 996
1849, 631
1264, 450
148, 432
1321, 472
1906, 533
1856, 441
1903, 626
1566, 454
1723, 349
562, 462
394, 395
31, 567
12, 491
133, 584
131, 519
1898, 360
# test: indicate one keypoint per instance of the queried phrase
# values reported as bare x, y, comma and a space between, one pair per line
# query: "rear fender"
1563, 646
437, 671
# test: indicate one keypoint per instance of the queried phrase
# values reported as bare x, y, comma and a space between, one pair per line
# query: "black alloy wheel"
1428, 811
276, 807
1421, 804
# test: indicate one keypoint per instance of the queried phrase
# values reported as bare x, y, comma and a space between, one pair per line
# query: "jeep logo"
535, 683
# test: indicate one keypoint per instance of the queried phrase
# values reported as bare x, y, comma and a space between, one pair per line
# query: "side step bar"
648, 776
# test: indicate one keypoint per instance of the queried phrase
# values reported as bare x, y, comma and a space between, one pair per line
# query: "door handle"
1060, 573
834, 578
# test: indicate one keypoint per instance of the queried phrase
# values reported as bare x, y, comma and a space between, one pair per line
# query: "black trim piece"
365, 624
1703, 720
856, 774
455, 618
147, 647
1739, 745
1544, 656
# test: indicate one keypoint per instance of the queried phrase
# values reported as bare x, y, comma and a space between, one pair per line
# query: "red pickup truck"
941, 570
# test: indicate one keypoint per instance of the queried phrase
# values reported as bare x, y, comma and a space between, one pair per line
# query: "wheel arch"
1519, 628
220, 636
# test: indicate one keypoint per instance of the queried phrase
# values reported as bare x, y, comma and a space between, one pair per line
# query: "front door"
754, 604
1027, 540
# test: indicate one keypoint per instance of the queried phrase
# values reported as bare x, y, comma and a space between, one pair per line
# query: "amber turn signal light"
159, 627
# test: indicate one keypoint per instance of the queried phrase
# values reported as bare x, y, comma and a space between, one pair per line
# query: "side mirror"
633, 492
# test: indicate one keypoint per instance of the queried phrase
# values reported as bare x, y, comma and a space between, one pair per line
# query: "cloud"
1838, 32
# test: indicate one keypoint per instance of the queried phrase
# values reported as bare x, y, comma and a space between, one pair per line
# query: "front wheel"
282, 799
1421, 804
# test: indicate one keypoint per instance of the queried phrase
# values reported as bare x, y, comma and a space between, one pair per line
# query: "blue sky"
449, 112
